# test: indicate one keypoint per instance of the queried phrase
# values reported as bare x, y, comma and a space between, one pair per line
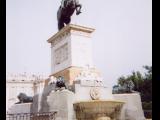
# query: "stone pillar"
71, 50
132, 109
20, 108
62, 102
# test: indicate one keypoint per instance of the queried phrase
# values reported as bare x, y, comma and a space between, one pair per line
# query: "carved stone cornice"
71, 28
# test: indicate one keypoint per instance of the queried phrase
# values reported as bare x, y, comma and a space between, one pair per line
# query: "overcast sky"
122, 41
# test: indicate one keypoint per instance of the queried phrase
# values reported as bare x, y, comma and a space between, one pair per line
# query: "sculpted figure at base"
23, 98
66, 10
60, 84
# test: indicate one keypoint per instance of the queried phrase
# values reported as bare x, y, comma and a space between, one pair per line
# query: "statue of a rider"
64, 3
66, 10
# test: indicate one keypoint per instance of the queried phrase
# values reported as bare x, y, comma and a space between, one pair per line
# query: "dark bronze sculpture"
60, 82
23, 98
66, 10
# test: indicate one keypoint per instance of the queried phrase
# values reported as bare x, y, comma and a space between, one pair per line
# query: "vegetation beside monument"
140, 83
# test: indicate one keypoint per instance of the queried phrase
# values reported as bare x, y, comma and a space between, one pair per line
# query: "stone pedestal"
71, 73
89, 89
71, 50
62, 102
132, 109
20, 108
40, 100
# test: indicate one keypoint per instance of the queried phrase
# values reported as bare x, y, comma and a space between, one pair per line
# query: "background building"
29, 84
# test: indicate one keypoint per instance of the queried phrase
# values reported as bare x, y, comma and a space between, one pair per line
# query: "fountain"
98, 110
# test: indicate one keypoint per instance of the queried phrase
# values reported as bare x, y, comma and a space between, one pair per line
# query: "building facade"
29, 84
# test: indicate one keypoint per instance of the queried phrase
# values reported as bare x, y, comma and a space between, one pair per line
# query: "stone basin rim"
98, 101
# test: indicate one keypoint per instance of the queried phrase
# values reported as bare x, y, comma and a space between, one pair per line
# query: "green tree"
142, 84
146, 88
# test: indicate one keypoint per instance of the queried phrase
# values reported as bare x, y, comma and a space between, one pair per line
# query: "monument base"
62, 102
20, 108
132, 109
88, 90
71, 73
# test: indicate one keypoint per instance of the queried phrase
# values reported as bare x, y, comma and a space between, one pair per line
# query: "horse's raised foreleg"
78, 11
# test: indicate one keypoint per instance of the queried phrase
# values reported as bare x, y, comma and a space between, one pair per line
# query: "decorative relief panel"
61, 54
95, 93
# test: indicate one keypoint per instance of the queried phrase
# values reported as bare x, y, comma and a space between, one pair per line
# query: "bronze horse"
64, 14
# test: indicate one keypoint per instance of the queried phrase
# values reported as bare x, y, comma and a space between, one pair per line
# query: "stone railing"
32, 116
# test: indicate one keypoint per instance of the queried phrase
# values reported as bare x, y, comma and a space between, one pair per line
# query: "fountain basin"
98, 109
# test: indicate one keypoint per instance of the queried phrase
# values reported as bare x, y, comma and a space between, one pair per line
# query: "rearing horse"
64, 14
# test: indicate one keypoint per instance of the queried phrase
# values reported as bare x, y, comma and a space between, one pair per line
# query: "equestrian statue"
66, 10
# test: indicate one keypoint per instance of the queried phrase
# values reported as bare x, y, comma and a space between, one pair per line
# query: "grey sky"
122, 41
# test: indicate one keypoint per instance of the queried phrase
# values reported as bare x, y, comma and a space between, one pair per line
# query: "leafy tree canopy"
138, 82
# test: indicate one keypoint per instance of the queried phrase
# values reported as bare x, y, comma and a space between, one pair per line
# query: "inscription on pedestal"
61, 54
